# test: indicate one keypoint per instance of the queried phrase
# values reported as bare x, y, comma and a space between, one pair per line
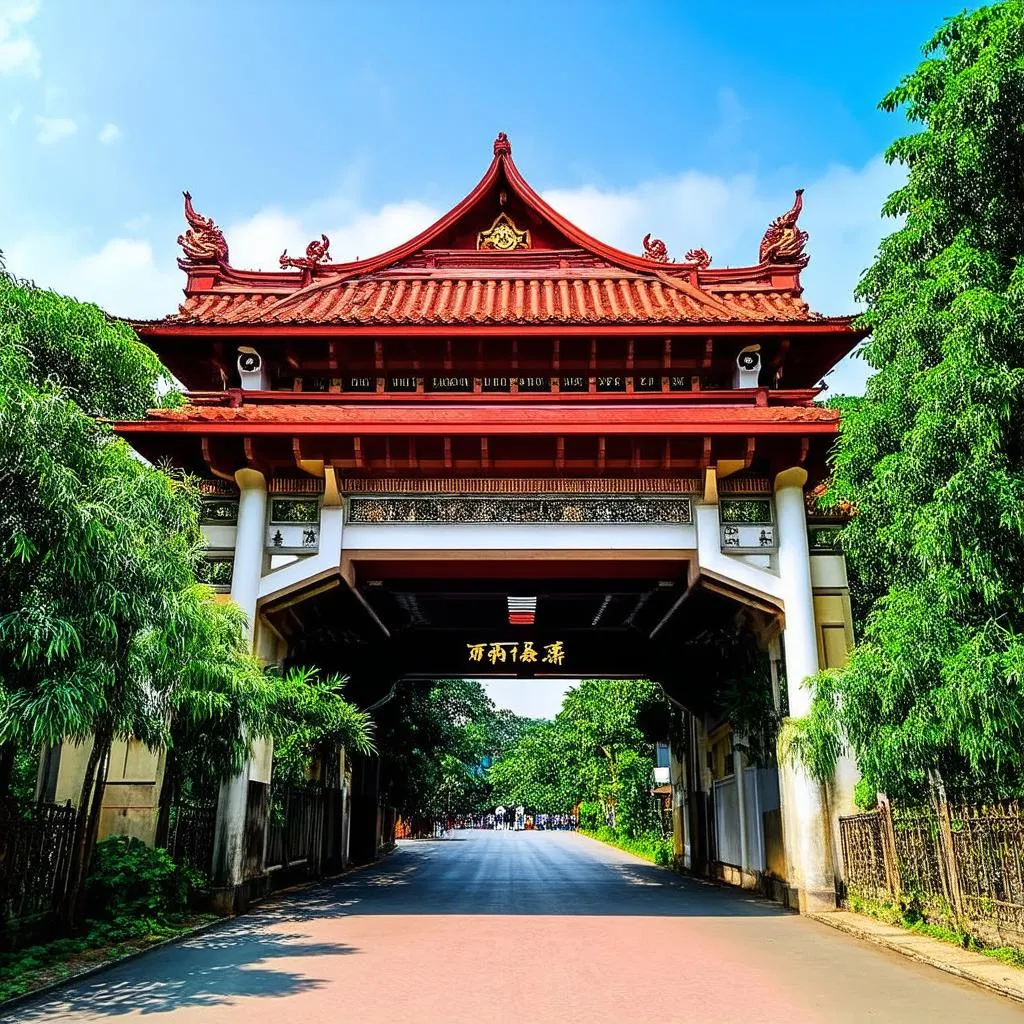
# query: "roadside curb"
88, 972
13, 1003
962, 963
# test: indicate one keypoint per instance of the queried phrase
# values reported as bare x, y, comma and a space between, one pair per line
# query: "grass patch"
38, 966
651, 846
909, 917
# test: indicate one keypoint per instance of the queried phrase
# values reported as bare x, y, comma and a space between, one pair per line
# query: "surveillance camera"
748, 367
250, 370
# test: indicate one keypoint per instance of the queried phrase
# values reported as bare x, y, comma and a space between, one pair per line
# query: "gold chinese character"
554, 653
476, 652
528, 653
497, 653
514, 651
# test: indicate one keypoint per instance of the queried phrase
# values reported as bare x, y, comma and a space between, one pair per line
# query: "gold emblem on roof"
503, 235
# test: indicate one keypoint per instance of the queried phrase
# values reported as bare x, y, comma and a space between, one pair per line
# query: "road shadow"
418, 879
234, 960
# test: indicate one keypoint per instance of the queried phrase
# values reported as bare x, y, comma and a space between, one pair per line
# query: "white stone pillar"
250, 537
807, 825
229, 836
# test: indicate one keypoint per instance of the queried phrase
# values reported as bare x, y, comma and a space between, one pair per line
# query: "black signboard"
574, 384
450, 383
402, 383
496, 383
360, 384
647, 383
609, 382
679, 383
534, 383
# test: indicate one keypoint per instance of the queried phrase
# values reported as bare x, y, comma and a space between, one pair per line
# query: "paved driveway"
527, 926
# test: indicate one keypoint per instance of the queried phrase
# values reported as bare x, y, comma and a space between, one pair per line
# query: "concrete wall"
132, 793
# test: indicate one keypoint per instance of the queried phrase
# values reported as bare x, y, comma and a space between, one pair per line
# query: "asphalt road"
505, 926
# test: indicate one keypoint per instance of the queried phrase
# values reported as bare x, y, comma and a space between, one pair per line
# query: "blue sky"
367, 120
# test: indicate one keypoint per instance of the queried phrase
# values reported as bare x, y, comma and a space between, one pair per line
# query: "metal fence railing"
36, 843
190, 833
963, 862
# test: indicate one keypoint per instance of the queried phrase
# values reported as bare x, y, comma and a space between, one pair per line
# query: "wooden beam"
748, 456
357, 450
250, 452
447, 451
485, 453
705, 460
709, 351
314, 467
559, 453
207, 450
602, 453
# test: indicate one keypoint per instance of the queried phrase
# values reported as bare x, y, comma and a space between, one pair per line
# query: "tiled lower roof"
505, 418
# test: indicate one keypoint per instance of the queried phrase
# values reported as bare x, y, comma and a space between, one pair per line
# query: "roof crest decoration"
316, 252
655, 249
203, 242
784, 242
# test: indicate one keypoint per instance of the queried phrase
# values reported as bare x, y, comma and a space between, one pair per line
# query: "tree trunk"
89, 802
168, 793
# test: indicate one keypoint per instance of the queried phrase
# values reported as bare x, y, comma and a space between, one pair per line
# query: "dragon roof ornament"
203, 242
700, 258
784, 242
317, 252
655, 249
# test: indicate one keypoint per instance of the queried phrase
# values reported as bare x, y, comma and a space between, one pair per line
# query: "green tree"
310, 721
104, 632
932, 458
433, 737
535, 772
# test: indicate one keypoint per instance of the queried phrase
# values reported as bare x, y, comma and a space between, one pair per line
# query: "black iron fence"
295, 829
36, 843
960, 862
190, 833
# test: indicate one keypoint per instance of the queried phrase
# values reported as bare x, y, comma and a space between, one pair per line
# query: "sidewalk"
964, 963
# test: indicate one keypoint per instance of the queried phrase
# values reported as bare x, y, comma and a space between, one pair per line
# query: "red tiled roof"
597, 297
443, 278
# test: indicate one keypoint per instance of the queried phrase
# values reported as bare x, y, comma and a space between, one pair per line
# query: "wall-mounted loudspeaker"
748, 367
250, 369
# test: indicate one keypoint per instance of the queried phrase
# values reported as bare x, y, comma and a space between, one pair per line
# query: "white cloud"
109, 133
123, 277
136, 224
54, 129
15, 115
726, 216
18, 53
259, 241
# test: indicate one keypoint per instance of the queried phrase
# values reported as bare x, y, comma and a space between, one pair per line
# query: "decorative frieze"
539, 510
517, 486
216, 570
294, 510
220, 511
747, 525
823, 540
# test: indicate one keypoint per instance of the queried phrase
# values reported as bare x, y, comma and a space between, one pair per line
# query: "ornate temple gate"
506, 448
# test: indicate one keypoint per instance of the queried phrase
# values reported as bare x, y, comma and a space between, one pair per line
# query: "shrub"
135, 889
591, 816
